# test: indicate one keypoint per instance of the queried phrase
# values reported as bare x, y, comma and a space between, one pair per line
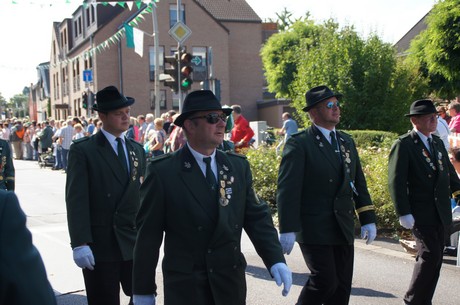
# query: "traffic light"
186, 71
84, 98
172, 71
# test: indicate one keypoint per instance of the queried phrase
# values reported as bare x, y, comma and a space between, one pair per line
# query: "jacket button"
236, 248
330, 180
211, 270
200, 228
237, 226
234, 266
335, 211
209, 251
108, 195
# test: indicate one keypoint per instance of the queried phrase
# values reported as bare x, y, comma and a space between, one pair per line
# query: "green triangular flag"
129, 36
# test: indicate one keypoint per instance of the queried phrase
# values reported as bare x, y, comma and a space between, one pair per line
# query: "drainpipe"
120, 67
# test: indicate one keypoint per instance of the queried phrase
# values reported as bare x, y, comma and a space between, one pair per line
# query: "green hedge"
373, 147
372, 138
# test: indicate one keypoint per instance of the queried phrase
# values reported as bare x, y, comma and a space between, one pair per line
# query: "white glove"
144, 299
369, 232
407, 221
456, 209
83, 257
282, 275
287, 242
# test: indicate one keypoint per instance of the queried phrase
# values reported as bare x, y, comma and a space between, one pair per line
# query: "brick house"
88, 41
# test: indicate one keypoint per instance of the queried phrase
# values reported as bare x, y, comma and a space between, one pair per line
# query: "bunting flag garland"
115, 38
137, 35
50, 3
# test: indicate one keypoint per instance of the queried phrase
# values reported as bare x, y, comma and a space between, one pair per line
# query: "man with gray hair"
66, 139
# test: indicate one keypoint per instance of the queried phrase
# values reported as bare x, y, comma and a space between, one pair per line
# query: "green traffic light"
186, 83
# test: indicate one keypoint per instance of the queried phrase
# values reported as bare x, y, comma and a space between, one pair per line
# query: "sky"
26, 27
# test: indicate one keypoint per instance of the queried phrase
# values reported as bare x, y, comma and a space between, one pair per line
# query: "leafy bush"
375, 166
373, 147
264, 166
372, 138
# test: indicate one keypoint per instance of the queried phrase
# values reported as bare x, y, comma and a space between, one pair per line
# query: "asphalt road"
381, 274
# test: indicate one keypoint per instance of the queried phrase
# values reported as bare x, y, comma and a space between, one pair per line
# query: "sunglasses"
212, 118
331, 104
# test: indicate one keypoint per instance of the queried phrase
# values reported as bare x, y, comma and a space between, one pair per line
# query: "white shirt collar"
199, 160
326, 132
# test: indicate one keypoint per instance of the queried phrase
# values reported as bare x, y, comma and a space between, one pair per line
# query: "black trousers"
103, 283
430, 246
331, 270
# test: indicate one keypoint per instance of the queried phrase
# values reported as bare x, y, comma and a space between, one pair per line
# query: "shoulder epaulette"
344, 133
295, 134
80, 140
161, 157
232, 153
404, 136
135, 142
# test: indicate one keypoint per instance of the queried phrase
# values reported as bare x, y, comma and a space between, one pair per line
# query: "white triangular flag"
138, 41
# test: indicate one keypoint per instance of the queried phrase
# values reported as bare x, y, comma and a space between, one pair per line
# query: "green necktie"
121, 154
334, 145
210, 178
432, 149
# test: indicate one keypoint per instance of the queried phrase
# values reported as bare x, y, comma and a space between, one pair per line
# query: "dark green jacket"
23, 278
415, 187
46, 137
177, 202
102, 201
315, 197
6, 167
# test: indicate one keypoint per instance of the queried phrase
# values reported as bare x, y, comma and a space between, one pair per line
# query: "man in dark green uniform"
23, 278
320, 186
104, 174
201, 199
6, 167
422, 180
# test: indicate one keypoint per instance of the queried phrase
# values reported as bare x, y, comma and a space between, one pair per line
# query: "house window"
152, 62
199, 64
175, 100
173, 14
162, 99
90, 16
77, 27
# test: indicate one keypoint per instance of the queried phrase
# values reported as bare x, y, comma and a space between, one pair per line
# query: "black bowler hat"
110, 99
421, 107
318, 94
200, 100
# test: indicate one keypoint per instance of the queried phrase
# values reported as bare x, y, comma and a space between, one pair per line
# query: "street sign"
196, 60
87, 76
180, 32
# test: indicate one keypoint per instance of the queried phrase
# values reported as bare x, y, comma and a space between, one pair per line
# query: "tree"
377, 88
437, 49
279, 55
19, 104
